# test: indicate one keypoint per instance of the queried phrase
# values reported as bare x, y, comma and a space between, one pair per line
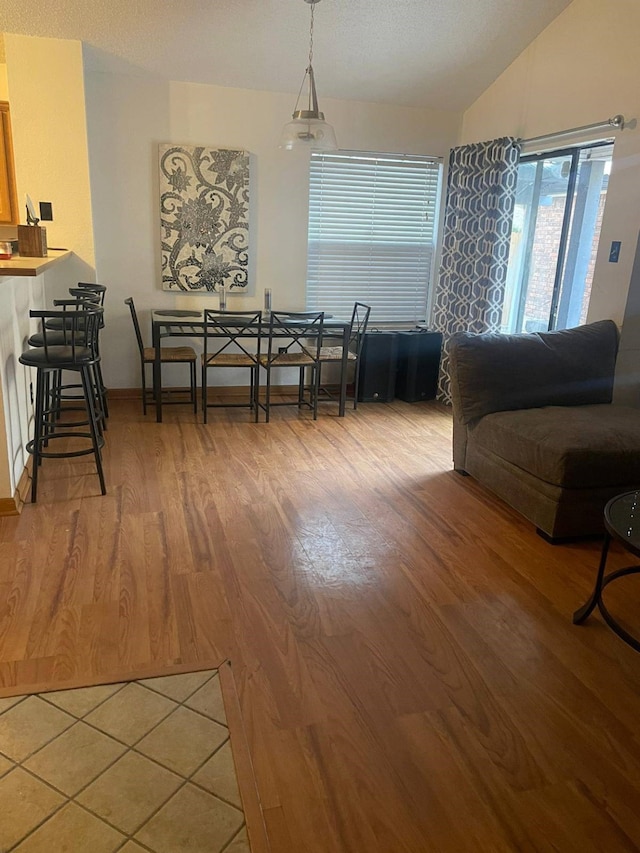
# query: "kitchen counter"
31, 266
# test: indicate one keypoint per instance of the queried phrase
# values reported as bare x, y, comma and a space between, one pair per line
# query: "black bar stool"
78, 352
83, 291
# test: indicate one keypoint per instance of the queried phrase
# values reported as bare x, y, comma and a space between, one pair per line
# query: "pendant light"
308, 129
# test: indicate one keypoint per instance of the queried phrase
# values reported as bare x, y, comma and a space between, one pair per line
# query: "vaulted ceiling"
439, 54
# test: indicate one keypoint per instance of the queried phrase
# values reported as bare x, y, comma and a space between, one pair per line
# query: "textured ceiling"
425, 53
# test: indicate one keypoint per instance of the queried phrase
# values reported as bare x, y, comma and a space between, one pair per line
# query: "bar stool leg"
37, 432
93, 424
99, 399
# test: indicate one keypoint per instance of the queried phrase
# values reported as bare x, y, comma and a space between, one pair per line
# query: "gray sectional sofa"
535, 423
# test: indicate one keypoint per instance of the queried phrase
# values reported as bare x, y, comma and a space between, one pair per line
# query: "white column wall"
18, 295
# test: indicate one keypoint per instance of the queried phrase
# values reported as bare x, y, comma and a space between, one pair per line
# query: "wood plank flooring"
407, 670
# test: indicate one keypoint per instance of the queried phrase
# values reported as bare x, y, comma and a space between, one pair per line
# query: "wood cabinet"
8, 198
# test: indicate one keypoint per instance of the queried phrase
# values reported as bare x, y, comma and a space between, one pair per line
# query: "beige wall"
4, 85
582, 69
129, 115
46, 92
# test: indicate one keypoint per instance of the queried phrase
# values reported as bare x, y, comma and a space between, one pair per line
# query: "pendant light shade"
308, 129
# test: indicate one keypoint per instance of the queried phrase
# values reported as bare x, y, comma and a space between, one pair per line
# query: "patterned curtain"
469, 295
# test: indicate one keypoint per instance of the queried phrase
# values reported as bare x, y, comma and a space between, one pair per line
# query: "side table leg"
580, 615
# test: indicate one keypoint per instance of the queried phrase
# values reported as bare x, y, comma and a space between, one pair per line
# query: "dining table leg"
157, 371
343, 372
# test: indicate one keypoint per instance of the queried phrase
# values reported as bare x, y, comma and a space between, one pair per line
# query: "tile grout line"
129, 748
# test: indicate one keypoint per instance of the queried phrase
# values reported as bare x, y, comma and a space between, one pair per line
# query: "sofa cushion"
495, 373
577, 447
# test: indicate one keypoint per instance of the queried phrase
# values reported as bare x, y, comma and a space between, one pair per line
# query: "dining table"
179, 323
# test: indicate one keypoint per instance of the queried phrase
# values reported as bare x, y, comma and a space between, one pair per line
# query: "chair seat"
335, 354
287, 359
60, 357
170, 354
228, 359
54, 339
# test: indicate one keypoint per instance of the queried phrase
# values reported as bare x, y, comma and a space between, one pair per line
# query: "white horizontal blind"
372, 227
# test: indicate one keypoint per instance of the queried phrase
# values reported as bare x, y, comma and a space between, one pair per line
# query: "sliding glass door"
559, 202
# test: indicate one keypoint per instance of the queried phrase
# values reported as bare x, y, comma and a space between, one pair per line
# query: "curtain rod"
617, 123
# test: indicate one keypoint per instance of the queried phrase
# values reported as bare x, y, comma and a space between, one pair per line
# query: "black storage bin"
378, 364
418, 365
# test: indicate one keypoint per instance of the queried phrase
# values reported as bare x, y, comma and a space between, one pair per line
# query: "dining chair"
295, 339
168, 355
231, 339
333, 354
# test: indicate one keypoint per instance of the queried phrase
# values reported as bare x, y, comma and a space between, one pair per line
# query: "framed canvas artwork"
204, 217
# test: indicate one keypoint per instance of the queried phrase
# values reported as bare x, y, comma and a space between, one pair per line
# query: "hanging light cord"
306, 73
313, 6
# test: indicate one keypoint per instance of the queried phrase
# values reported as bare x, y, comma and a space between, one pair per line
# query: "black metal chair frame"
148, 394
303, 330
224, 332
359, 323
78, 322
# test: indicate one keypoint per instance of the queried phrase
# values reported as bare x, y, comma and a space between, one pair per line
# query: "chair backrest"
225, 331
99, 289
136, 325
359, 322
77, 323
295, 331
82, 295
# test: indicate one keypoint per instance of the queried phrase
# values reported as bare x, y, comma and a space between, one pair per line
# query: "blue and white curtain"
481, 188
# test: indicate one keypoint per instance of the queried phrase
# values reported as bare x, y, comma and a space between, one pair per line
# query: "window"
560, 199
372, 231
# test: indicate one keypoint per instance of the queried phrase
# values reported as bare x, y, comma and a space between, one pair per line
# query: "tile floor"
138, 766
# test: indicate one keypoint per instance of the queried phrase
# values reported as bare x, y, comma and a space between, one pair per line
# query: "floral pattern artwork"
204, 215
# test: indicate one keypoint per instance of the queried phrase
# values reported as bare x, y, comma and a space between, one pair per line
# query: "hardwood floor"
402, 644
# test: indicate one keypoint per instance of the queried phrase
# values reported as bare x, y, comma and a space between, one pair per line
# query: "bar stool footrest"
48, 454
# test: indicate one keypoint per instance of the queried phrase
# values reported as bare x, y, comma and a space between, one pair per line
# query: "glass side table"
622, 523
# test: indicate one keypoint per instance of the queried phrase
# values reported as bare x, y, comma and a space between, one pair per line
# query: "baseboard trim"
212, 392
13, 506
8, 507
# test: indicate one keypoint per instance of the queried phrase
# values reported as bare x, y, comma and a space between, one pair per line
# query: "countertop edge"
19, 266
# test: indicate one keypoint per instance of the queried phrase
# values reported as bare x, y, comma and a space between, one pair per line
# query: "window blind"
372, 227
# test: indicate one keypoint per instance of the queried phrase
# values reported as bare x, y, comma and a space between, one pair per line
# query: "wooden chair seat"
287, 359
228, 359
177, 354
335, 354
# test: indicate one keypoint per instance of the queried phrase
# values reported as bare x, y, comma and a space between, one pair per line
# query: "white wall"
129, 115
582, 69
46, 93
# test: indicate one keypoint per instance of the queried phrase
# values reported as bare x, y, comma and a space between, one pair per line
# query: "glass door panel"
556, 226
541, 199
